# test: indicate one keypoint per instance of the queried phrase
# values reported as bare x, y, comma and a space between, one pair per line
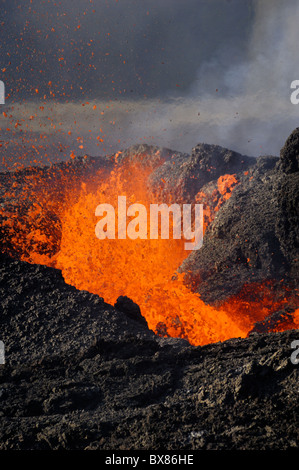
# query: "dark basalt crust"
80, 374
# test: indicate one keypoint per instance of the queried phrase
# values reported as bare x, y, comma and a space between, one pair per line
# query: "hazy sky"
95, 76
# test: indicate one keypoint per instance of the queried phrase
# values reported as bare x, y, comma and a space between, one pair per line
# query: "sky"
96, 76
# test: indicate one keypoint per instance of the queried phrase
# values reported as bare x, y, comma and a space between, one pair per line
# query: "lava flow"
143, 270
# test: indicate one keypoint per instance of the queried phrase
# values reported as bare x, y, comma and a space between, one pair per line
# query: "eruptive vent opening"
60, 232
143, 270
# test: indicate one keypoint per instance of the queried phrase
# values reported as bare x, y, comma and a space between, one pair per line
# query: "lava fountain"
144, 270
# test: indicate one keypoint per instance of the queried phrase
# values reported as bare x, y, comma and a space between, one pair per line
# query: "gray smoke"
244, 106
169, 73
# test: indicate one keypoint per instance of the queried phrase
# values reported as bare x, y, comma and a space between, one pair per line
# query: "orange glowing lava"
144, 270
140, 269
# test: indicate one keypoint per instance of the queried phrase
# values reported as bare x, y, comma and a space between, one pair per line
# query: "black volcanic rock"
130, 308
289, 154
182, 176
287, 220
254, 236
81, 375
148, 156
42, 316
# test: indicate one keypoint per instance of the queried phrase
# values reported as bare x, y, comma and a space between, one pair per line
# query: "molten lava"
140, 269
144, 270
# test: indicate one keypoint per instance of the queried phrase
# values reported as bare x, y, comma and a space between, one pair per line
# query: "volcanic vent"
243, 279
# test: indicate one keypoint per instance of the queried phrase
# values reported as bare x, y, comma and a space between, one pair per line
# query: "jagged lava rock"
80, 375
182, 176
289, 154
254, 236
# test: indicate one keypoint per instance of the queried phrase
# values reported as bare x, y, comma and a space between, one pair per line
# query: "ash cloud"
244, 105
160, 72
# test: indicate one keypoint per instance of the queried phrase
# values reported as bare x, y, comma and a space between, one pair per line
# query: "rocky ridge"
81, 374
